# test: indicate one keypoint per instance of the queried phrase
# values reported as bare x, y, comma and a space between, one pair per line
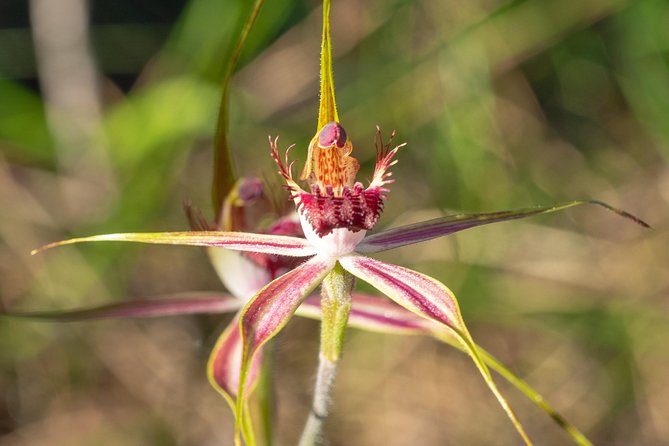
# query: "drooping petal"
438, 227
414, 291
225, 361
172, 305
223, 372
430, 299
238, 241
269, 310
576, 435
378, 314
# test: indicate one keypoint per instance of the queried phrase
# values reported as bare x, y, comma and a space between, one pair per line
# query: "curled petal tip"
51, 245
621, 212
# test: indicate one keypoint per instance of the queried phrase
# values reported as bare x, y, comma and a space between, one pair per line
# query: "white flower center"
338, 243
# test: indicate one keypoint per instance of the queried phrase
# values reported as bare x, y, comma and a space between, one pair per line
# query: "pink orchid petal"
439, 227
171, 305
238, 241
224, 365
269, 310
416, 292
378, 314
373, 313
430, 299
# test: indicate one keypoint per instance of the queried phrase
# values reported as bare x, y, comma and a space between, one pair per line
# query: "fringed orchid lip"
334, 200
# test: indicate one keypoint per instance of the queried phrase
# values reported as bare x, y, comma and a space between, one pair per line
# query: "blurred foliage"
503, 104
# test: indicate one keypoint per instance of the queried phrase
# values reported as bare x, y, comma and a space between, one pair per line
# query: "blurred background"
107, 114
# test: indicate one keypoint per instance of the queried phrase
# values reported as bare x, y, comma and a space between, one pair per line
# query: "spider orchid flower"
244, 274
335, 213
335, 217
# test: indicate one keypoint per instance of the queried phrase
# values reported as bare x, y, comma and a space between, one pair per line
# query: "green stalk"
336, 305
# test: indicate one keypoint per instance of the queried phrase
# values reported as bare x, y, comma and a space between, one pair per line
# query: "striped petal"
430, 299
380, 315
416, 292
238, 241
268, 311
372, 313
438, 227
223, 372
225, 361
172, 305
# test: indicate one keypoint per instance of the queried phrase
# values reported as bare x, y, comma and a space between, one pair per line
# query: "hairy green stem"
336, 306
313, 429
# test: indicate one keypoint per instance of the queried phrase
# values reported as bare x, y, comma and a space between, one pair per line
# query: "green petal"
327, 111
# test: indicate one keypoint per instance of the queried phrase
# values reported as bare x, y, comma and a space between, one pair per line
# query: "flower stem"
313, 429
336, 305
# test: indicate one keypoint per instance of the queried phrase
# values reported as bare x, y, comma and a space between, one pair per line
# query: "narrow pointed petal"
327, 111
380, 315
438, 227
238, 241
225, 361
571, 430
173, 305
416, 292
430, 299
270, 309
224, 167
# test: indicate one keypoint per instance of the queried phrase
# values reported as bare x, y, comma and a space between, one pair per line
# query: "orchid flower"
244, 274
335, 217
335, 213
